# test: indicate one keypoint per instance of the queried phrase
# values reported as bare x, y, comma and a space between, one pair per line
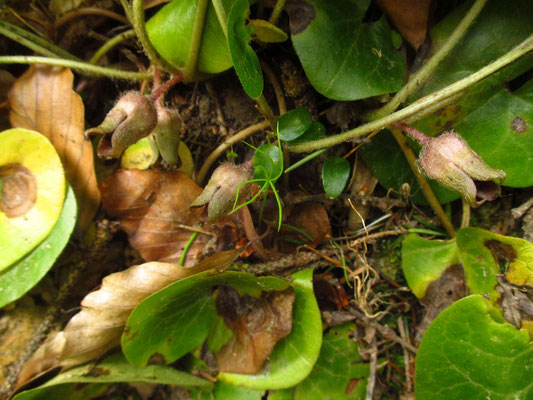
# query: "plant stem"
82, 67
107, 46
89, 11
523, 48
277, 11
196, 39
465, 219
33, 42
419, 77
422, 181
137, 13
265, 109
226, 145
413, 133
221, 15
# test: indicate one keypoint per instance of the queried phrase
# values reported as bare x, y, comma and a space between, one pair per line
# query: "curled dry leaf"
410, 17
153, 209
42, 99
311, 218
99, 325
257, 324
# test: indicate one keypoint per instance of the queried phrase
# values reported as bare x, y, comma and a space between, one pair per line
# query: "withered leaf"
153, 209
410, 17
42, 99
257, 323
312, 218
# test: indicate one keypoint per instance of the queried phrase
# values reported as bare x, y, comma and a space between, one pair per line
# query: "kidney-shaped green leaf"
294, 356
335, 174
244, 58
470, 352
344, 58
87, 381
177, 319
170, 31
294, 123
18, 279
268, 162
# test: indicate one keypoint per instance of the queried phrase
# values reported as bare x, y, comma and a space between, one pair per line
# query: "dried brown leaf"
42, 99
410, 17
153, 209
98, 327
311, 218
257, 323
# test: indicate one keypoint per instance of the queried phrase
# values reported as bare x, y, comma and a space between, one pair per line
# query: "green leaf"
244, 58
170, 31
223, 391
177, 319
338, 364
266, 32
294, 356
385, 159
335, 174
470, 352
26, 273
316, 131
268, 162
344, 58
89, 380
294, 123
424, 261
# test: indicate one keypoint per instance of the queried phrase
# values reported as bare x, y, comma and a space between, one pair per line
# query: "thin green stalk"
185, 250
196, 39
33, 42
107, 46
304, 160
81, 67
265, 108
127, 10
221, 15
418, 78
523, 48
465, 220
422, 181
137, 11
277, 11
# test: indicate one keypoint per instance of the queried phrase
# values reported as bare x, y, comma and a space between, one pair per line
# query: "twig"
81, 67
406, 357
373, 371
517, 212
422, 181
523, 48
226, 145
378, 235
418, 78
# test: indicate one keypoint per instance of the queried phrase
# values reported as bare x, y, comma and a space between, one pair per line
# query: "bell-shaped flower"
132, 118
221, 191
450, 161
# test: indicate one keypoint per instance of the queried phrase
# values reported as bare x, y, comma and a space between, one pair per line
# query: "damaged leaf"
470, 352
88, 380
257, 323
98, 326
177, 319
153, 209
42, 99
294, 356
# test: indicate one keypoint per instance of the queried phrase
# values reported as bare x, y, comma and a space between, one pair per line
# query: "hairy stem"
137, 13
523, 48
226, 145
196, 40
418, 78
422, 181
81, 67
107, 46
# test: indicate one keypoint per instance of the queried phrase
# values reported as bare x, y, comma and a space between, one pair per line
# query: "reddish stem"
165, 87
414, 133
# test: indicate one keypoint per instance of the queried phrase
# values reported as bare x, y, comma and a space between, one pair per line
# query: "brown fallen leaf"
257, 323
98, 327
42, 99
311, 218
410, 17
153, 209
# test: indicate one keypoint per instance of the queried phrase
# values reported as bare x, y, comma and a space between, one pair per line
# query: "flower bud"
221, 190
166, 134
132, 118
450, 161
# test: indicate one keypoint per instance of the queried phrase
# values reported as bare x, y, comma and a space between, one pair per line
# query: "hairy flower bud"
450, 161
221, 190
166, 134
132, 118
